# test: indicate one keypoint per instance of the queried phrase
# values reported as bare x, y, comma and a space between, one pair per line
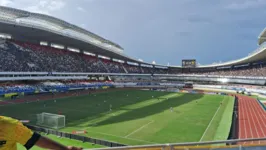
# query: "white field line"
139, 128
116, 135
9, 103
211, 122
64, 108
36, 101
122, 137
77, 110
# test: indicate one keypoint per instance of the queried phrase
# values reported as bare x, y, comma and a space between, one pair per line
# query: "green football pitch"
138, 116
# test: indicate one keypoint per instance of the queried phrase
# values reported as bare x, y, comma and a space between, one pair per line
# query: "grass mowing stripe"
210, 123
189, 120
139, 128
212, 131
223, 129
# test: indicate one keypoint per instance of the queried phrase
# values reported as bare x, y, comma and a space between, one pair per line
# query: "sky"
165, 31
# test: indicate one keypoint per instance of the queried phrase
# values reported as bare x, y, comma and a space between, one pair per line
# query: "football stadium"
80, 89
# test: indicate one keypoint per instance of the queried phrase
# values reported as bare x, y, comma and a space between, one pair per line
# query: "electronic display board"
189, 63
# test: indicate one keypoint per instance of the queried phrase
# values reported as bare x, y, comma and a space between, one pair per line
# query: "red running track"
251, 119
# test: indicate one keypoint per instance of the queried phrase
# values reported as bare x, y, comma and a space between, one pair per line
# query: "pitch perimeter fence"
75, 137
262, 105
233, 134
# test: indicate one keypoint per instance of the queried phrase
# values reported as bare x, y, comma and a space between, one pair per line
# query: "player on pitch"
13, 131
171, 109
110, 107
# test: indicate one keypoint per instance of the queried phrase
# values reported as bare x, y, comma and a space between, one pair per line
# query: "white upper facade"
49, 23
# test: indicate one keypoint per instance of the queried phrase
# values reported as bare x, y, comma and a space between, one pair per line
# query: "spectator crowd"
258, 71
26, 57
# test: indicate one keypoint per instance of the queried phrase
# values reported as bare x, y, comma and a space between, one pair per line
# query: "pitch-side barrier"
211, 145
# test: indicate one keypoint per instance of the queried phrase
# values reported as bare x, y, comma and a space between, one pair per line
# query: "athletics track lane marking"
139, 128
251, 115
257, 114
239, 115
259, 117
247, 117
242, 124
243, 112
211, 121
243, 117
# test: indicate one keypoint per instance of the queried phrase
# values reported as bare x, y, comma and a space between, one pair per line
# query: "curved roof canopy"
51, 23
262, 37
258, 55
34, 27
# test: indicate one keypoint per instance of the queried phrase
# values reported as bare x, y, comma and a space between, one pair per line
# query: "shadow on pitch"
151, 109
99, 106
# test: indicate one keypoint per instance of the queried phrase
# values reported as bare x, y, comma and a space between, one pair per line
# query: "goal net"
49, 120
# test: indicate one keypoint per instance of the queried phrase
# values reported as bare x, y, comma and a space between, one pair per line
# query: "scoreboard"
189, 63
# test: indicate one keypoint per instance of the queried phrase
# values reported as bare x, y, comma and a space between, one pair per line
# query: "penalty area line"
139, 128
122, 137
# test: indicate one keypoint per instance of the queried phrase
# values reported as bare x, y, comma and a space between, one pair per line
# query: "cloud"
5, 2
195, 18
81, 9
246, 4
89, 1
55, 5
38, 6
163, 31
83, 25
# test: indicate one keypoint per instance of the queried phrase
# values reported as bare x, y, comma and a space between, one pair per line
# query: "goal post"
50, 120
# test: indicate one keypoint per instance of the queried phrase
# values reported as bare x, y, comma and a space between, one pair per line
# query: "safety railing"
227, 145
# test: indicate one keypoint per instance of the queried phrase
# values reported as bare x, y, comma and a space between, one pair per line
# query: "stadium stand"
49, 86
132, 69
147, 70
114, 67
27, 57
251, 71
255, 71
52, 59
160, 71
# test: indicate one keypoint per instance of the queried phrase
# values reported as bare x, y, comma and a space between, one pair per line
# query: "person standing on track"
13, 131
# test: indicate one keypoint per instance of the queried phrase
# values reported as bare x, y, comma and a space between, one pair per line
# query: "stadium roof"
51, 23
258, 55
34, 27
262, 37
